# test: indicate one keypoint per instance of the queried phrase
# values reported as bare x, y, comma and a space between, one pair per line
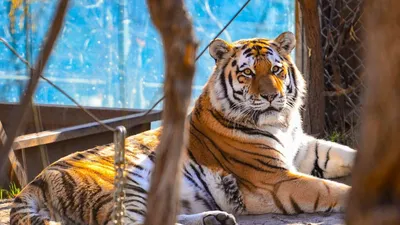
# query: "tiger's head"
255, 80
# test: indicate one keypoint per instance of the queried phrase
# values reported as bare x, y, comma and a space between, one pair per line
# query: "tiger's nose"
270, 98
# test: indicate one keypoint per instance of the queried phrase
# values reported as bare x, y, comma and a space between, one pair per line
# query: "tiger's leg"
293, 192
324, 159
199, 190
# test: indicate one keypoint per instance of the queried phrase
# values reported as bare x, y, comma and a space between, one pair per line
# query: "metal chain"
119, 180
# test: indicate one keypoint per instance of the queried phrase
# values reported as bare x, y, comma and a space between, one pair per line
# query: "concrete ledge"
270, 219
301, 219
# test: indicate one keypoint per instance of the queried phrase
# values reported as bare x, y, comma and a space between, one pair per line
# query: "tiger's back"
78, 189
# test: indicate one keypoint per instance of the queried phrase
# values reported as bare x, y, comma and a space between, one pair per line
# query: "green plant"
335, 136
13, 190
3, 193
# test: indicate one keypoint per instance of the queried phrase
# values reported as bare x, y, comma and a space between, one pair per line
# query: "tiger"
246, 153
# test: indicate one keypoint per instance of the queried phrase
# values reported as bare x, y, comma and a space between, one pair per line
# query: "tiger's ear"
219, 48
286, 42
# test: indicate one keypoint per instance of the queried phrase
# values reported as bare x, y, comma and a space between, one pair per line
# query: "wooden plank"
46, 137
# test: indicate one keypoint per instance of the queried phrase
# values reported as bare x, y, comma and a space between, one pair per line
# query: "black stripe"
251, 131
317, 171
261, 155
270, 165
316, 202
191, 156
108, 217
137, 211
127, 202
204, 200
278, 203
135, 196
136, 188
224, 87
100, 202
294, 81
251, 165
327, 157
247, 51
233, 89
212, 142
189, 177
233, 63
205, 186
295, 206
328, 210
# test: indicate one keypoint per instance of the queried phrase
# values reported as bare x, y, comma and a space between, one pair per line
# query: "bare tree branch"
175, 27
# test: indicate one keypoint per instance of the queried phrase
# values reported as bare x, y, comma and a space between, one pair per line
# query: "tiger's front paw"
340, 162
219, 218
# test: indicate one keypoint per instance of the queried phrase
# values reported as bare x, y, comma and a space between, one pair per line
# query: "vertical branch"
375, 198
175, 27
315, 103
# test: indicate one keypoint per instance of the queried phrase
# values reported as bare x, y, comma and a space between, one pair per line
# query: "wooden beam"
375, 197
173, 23
313, 70
68, 133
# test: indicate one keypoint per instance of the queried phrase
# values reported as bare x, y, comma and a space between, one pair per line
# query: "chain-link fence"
342, 31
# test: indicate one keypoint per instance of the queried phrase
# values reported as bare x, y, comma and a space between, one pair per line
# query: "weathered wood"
175, 27
375, 197
314, 73
68, 133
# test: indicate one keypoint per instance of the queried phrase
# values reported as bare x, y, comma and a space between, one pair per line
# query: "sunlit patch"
279, 84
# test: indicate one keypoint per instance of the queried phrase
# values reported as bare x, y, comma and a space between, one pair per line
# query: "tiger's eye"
247, 71
275, 69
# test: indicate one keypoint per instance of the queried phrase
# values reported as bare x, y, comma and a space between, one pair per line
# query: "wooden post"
375, 197
175, 27
313, 70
